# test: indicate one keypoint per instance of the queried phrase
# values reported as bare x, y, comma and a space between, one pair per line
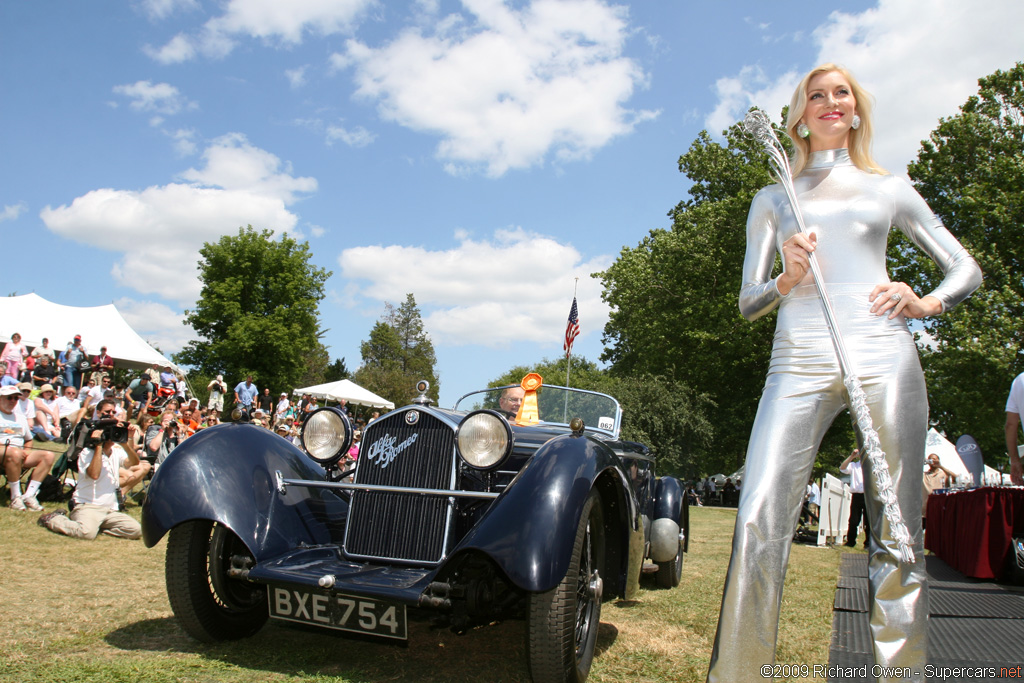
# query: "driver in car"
510, 402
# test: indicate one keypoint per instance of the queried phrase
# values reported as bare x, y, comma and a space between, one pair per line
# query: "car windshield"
557, 405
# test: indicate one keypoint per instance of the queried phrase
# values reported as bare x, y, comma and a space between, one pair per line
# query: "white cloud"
353, 137
178, 49
921, 62
516, 287
297, 76
273, 21
157, 323
161, 9
504, 88
184, 141
12, 211
234, 164
162, 99
160, 229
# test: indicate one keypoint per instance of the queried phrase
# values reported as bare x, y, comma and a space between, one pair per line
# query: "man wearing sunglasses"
103, 470
17, 454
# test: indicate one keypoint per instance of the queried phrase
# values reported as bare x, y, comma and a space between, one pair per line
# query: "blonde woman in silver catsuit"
849, 205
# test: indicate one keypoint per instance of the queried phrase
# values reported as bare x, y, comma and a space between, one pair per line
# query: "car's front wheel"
210, 604
563, 622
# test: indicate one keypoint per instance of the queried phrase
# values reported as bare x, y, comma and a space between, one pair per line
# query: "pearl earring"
855, 124
803, 131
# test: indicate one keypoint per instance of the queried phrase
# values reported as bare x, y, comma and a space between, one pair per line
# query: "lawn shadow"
487, 653
495, 652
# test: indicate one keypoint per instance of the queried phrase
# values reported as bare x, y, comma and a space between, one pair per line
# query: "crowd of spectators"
45, 394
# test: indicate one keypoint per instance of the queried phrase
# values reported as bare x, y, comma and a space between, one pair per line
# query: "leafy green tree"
258, 311
337, 371
971, 172
666, 415
584, 374
675, 317
398, 354
674, 296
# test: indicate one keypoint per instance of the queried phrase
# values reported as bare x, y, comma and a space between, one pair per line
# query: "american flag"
572, 328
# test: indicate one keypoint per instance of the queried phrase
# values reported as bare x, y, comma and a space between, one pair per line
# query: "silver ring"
895, 297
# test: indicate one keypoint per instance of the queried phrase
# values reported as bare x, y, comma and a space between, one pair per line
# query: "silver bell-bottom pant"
803, 394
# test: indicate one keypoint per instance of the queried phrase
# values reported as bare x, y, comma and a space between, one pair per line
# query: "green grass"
88, 611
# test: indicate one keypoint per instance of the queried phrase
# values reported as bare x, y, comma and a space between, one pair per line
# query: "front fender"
226, 474
529, 531
668, 519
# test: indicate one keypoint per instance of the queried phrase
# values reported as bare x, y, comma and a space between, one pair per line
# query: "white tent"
34, 318
350, 391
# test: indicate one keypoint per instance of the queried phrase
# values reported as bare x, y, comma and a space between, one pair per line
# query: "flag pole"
568, 346
568, 353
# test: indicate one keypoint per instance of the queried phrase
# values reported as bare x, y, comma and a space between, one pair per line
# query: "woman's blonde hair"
860, 139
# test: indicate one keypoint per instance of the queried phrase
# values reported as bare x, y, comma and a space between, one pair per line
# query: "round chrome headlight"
326, 435
484, 439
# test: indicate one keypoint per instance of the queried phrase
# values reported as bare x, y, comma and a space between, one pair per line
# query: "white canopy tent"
345, 389
34, 318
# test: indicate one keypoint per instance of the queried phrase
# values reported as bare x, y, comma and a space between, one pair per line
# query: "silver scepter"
759, 126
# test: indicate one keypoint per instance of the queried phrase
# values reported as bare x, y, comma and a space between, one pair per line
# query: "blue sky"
479, 154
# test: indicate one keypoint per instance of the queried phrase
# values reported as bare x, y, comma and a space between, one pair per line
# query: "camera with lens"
109, 430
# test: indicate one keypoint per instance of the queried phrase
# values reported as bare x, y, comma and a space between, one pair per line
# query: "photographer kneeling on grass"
108, 464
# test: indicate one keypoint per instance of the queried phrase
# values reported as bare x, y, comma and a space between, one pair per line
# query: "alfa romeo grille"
401, 526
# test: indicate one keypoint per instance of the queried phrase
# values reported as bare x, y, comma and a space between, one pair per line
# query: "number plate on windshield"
342, 612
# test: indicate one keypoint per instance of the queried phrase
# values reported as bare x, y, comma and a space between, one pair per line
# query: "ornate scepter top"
759, 126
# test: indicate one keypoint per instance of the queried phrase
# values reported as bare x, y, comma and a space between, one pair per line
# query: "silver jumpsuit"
851, 212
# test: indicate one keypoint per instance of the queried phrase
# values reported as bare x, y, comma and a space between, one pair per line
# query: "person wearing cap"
44, 349
217, 389
26, 404
282, 409
140, 391
47, 426
102, 365
17, 454
72, 363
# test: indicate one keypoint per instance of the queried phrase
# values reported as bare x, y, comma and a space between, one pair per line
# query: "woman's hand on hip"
895, 298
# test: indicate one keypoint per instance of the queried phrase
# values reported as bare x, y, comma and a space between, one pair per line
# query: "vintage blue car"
470, 514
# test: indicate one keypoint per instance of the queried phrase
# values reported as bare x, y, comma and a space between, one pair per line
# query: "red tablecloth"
971, 530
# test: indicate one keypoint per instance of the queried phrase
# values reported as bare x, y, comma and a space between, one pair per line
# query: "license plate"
338, 611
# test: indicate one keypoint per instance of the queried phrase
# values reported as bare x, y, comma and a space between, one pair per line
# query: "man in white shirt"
852, 467
44, 350
217, 389
1014, 409
17, 454
97, 507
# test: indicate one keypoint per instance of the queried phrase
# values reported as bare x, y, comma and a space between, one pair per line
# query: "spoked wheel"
211, 605
671, 572
563, 622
